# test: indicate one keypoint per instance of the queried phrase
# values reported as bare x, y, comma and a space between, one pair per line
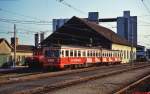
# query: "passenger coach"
76, 56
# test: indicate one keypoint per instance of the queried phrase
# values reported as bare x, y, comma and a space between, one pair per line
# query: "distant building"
22, 51
7, 52
38, 38
57, 23
148, 54
140, 52
93, 17
127, 27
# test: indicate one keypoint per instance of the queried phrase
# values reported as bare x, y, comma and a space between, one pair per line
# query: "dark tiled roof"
24, 48
83, 23
107, 33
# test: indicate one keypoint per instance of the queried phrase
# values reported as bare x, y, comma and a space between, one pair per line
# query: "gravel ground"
10, 88
105, 85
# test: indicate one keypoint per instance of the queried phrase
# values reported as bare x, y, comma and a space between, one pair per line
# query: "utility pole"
14, 63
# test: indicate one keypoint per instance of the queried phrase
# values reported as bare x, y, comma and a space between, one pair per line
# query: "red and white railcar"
75, 56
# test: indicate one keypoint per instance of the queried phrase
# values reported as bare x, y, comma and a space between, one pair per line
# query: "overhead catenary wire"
146, 7
71, 6
21, 15
8, 30
25, 22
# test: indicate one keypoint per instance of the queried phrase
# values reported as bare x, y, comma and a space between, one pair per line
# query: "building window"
127, 55
124, 54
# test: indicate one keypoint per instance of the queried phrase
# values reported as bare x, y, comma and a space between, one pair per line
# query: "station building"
82, 32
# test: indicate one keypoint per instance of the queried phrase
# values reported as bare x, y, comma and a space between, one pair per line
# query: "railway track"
83, 78
54, 82
28, 75
129, 89
14, 78
16, 73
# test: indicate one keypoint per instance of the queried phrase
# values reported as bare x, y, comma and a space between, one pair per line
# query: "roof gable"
2, 39
5, 48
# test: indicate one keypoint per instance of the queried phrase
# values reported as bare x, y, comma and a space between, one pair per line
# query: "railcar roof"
79, 47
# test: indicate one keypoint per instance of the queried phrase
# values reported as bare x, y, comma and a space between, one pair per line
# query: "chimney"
93, 17
36, 40
41, 37
13, 41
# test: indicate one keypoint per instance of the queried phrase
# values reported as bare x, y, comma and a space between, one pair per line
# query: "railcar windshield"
52, 53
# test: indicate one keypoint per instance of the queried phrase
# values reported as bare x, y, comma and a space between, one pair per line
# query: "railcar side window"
71, 53
93, 53
62, 53
75, 53
79, 53
99, 54
110, 54
67, 53
56, 53
88, 53
52, 53
83, 53
96, 53
103, 54
47, 53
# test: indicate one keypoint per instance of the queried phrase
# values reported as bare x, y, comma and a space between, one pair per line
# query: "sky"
45, 10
